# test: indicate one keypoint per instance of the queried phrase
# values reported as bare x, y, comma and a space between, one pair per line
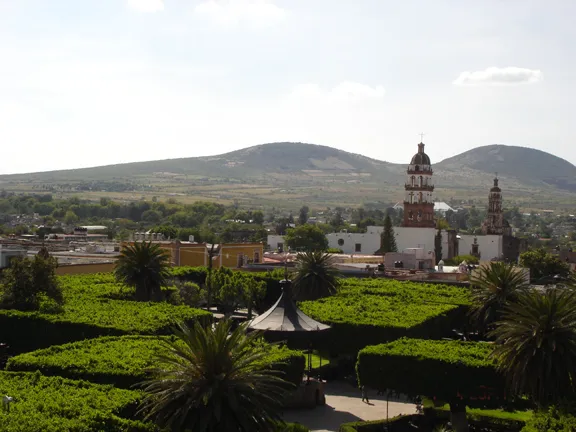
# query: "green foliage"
125, 361
30, 281
437, 368
542, 263
493, 286
144, 266
95, 306
334, 251
316, 276
536, 345
232, 290
306, 237
387, 238
215, 379
552, 420
54, 404
370, 311
455, 261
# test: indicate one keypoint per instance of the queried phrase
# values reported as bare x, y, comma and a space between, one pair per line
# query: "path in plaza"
344, 404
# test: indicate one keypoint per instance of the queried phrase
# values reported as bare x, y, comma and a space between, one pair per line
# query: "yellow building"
231, 255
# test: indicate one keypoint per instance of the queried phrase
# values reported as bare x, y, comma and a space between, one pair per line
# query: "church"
418, 231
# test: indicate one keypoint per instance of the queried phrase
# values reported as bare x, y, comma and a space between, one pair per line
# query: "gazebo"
284, 321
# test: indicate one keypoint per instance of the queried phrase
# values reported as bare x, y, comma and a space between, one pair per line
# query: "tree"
316, 276
211, 380
144, 266
438, 245
542, 263
168, 231
70, 218
258, 217
493, 287
303, 215
387, 238
27, 281
536, 345
306, 237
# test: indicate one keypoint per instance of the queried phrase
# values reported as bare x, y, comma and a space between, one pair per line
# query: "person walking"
365, 395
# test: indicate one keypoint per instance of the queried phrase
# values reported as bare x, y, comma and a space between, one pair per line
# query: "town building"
230, 255
8, 253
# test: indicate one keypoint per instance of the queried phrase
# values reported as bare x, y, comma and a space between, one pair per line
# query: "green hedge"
95, 306
123, 361
54, 404
429, 421
433, 368
367, 312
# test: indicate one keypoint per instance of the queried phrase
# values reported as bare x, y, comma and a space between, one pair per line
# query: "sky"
88, 83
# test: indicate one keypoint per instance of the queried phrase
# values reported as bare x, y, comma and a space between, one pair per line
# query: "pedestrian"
365, 395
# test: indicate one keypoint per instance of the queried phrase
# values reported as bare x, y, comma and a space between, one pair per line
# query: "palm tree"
316, 276
494, 286
214, 380
144, 266
536, 345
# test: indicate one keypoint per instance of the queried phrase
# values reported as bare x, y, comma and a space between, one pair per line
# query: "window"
358, 247
280, 247
340, 242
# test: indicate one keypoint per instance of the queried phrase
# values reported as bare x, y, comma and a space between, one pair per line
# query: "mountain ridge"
283, 171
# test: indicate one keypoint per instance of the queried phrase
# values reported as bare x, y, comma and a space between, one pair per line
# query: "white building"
369, 242
6, 254
275, 242
489, 246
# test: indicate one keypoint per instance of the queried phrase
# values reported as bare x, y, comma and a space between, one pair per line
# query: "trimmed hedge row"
123, 361
434, 368
429, 421
54, 404
367, 312
95, 306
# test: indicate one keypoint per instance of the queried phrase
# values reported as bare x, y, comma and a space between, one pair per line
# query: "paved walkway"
344, 404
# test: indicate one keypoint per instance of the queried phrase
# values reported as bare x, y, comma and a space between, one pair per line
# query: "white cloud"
345, 91
146, 5
499, 76
233, 12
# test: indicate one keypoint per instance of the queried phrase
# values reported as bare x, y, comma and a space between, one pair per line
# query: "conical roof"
284, 316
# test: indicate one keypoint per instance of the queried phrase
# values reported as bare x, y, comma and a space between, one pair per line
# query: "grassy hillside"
285, 175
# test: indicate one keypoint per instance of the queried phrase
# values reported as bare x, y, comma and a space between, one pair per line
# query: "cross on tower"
421, 136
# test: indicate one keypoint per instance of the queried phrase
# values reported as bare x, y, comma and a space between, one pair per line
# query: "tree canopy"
306, 237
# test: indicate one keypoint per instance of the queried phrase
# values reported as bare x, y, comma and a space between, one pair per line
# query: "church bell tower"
418, 202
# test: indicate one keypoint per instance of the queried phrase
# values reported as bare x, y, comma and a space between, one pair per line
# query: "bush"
367, 312
124, 361
95, 306
54, 404
470, 259
552, 420
434, 368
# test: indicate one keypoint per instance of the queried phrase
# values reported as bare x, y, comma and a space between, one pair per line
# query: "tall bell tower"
418, 201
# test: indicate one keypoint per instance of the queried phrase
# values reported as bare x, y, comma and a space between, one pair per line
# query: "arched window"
419, 215
417, 168
421, 181
410, 215
419, 197
412, 179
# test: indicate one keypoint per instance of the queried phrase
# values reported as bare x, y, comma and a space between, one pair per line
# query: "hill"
289, 174
527, 165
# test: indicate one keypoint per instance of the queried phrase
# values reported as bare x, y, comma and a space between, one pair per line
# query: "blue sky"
87, 83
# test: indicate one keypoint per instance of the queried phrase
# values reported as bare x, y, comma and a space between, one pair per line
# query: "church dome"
420, 158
